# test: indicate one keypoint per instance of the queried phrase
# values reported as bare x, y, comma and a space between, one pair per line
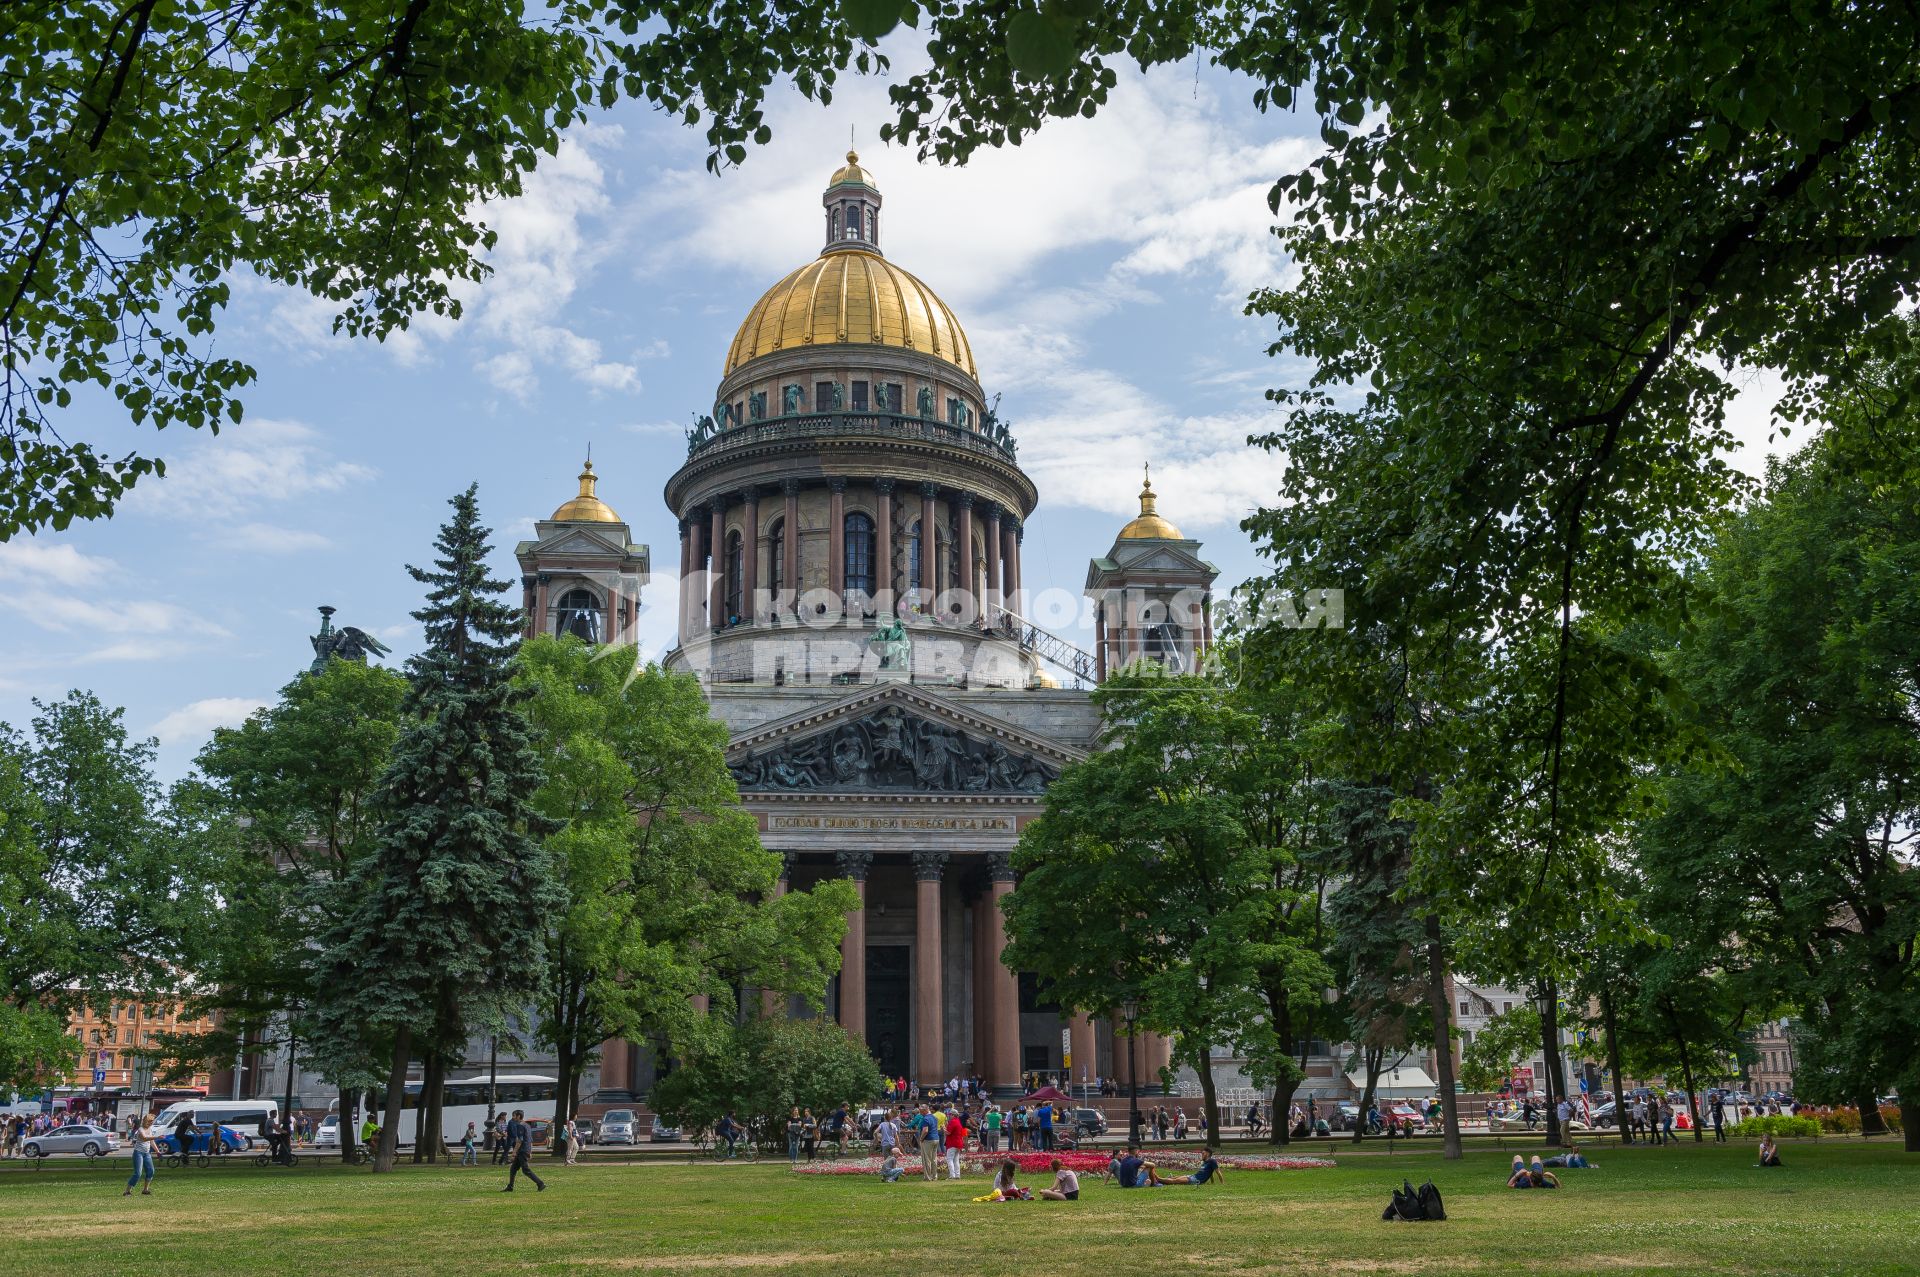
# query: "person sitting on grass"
1769, 1151
1209, 1170
890, 1168
1129, 1172
1005, 1187
1540, 1176
1112, 1173
1066, 1184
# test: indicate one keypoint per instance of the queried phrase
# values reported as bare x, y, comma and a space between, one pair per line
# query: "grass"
1837, 1209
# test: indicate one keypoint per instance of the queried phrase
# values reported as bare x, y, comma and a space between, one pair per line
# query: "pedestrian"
573, 1137
809, 1133
499, 1136
1045, 1116
1719, 1122
956, 1141
990, 1137
520, 1153
1666, 1119
469, 1150
142, 1139
929, 1132
794, 1129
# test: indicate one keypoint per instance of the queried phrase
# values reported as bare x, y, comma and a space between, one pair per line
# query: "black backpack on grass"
1414, 1204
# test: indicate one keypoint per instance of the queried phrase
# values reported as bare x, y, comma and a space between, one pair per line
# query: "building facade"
120, 1043
851, 516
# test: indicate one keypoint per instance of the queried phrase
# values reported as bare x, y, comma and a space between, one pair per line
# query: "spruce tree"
436, 934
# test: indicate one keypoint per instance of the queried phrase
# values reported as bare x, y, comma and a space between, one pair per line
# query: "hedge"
1781, 1126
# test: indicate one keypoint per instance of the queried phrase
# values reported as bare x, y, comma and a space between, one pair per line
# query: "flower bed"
976, 1163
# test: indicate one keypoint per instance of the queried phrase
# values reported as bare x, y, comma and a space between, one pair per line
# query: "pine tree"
435, 933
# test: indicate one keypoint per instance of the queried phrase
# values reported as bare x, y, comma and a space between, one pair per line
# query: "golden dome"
1149, 526
586, 508
851, 297
852, 173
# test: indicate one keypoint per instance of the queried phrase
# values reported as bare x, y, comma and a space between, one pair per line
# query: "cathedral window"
853, 221
735, 577
859, 553
822, 396
895, 396
777, 554
577, 613
859, 396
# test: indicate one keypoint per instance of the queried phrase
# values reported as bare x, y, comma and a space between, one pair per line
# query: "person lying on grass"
1209, 1170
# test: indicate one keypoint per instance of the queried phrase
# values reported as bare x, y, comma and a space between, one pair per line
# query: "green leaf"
1039, 46
872, 19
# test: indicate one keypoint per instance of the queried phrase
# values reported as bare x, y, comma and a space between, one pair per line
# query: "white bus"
465, 1100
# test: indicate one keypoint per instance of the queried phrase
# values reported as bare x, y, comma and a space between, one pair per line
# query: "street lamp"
1543, 1002
1130, 1012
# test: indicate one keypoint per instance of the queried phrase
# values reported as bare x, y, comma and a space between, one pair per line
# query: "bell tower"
1152, 595
582, 573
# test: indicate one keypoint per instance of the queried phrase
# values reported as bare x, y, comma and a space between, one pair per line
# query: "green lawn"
1838, 1208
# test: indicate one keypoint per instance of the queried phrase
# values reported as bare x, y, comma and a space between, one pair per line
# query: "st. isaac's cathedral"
851, 515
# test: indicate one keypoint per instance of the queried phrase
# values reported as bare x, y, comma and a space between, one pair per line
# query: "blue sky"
1099, 271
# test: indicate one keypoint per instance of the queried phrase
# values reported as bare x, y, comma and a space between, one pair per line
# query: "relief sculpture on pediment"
890, 749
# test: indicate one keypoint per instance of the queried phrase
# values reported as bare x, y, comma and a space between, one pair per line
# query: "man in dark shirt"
1130, 1167
519, 1149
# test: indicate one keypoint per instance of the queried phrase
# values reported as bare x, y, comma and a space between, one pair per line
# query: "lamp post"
1130, 1012
1543, 1002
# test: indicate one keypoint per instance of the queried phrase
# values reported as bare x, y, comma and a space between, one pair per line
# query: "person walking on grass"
929, 1144
520, 1153
142, 1139
469, 1152
956, 1138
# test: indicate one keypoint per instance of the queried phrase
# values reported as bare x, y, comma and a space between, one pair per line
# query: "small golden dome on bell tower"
586, 508
1149, 526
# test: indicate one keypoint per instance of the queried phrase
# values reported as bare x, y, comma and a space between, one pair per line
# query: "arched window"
735, 578
853, 221
913, 557
859, 558
777, 555
577, 613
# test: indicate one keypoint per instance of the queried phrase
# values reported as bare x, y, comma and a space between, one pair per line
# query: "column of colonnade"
703, 551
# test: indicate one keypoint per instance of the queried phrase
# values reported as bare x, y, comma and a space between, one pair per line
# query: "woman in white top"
1066, 1185
142, 1139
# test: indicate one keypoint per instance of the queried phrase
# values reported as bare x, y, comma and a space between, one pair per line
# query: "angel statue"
890, 640
349, 643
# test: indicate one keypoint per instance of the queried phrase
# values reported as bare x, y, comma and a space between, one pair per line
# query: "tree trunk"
1442, 1035
564, 1101
1373, 1056
433, 1101
1693, 1100
1287, 1085
1550, 1046
1209, 1099
1613, 1062
396, 1087
1870, 1123
1910, 1122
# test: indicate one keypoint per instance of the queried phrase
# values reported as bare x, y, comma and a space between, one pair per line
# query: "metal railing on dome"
877, 425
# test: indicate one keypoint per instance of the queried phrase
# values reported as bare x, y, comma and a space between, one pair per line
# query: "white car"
76, 1137
327, 1134
617, 1127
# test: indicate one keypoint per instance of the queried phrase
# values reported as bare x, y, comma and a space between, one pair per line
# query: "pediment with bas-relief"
895, 742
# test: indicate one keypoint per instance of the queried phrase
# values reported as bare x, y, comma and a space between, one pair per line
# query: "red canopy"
1047, 1095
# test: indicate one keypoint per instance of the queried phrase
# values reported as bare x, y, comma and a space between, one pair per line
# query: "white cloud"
58, 564
88, 614
192, 723
258, 463
268, 538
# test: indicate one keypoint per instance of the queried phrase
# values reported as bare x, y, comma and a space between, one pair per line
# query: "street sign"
99, 1076
1583, 1086
1066, 1048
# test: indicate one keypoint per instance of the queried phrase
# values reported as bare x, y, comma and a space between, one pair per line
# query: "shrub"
1840, 1122
1781, 1127
1890, 1114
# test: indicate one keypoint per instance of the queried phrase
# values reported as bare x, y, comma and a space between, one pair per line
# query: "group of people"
1164, 1124
1129, 1168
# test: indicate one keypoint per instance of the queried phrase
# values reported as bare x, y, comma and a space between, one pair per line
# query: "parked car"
1346, 1116
74, 1137
327, 1134
1404, 1113
617, 1126
231, 1141
664, 1134
1602, 1115
1088, 1123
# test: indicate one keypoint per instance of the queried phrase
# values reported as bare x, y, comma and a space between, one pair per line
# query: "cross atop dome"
852, 202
